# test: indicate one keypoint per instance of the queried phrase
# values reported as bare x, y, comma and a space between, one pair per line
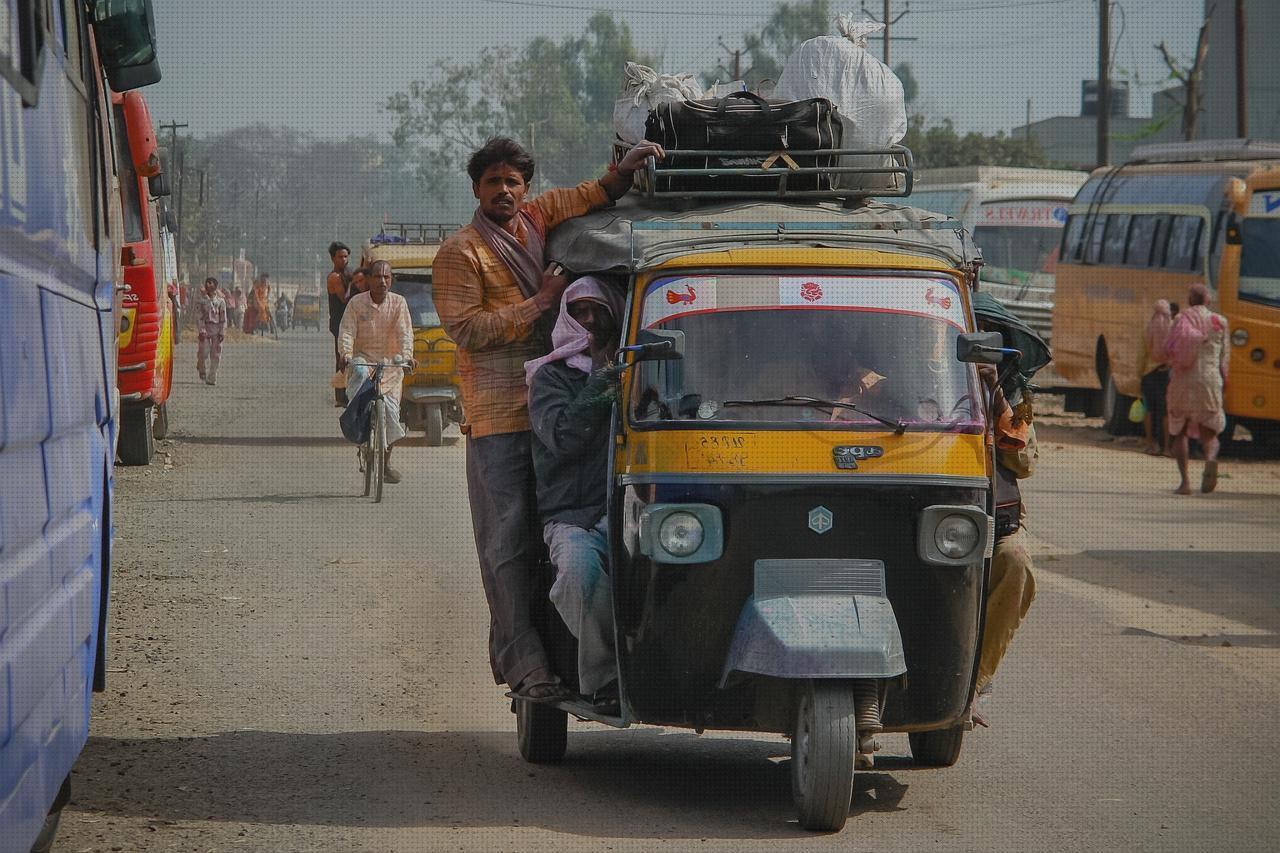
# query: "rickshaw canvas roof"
401, 255
635, 235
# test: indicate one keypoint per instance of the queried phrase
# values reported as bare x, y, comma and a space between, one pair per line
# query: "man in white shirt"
376, 326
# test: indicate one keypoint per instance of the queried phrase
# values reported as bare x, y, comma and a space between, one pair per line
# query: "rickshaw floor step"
582, 710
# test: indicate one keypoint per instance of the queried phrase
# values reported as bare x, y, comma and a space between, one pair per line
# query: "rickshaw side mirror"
980, 348
658, 345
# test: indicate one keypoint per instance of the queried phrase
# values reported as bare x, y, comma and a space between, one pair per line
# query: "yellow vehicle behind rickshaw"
432, 399
308, 311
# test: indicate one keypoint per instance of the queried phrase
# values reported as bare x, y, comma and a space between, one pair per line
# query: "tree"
910, 86
940, 146
555, 97
790, 25
1190, 77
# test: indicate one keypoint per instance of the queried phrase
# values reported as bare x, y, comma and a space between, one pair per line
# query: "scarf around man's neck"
526, 262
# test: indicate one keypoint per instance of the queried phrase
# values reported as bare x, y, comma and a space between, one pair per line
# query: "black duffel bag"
744, 121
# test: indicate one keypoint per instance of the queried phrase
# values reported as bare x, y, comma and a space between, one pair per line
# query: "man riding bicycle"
375, 327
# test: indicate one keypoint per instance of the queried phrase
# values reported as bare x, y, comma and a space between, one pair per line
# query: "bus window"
1093, 246
1260, 260
129, 197
1141, 233
1160, 240
1117, 235
1072, 239
1184, 243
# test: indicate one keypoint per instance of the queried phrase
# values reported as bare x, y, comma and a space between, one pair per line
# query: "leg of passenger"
583, 595
1009, 597
201, 346
1209, 480
501, 488
1182, 450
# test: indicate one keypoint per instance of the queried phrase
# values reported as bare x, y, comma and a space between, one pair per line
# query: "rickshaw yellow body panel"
725, 451
400, 255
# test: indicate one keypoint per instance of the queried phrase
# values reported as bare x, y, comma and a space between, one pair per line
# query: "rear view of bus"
59, 268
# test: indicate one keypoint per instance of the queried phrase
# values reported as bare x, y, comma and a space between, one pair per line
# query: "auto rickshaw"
432, 397
800, 518
308, 311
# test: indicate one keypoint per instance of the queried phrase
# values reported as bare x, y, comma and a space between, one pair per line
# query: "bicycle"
371, 456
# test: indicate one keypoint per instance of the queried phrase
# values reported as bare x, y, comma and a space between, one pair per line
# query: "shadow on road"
256, 499
642, 784
265, 440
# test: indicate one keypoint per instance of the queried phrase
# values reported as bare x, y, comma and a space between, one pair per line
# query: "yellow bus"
1175, 214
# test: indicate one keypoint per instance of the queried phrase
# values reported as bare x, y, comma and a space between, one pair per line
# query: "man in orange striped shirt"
493, 292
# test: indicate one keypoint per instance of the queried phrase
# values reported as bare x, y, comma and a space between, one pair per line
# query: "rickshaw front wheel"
938, 748
433, 418
823, 748
542, 732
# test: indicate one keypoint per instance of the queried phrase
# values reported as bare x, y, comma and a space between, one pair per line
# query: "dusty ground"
295, 668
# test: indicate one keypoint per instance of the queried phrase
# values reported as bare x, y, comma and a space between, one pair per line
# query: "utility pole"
887, 21
1028, 124
1104, 82
1242, 100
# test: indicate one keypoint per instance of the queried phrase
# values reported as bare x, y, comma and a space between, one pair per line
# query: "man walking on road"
338, 284
211, 328
492, 289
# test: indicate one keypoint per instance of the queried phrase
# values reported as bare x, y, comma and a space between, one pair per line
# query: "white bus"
1016, 217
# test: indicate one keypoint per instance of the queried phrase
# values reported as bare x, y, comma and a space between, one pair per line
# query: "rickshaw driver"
571, 395
491, 287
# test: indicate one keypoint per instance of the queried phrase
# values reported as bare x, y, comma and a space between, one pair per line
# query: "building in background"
1262, 71
1071, 142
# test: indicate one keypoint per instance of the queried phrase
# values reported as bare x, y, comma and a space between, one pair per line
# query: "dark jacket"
570, 415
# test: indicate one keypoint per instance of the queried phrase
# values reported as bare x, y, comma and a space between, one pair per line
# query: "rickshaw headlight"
681, 534
674, 533
956, 536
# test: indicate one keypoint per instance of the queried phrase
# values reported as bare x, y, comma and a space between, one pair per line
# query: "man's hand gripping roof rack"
428, 233
894, 166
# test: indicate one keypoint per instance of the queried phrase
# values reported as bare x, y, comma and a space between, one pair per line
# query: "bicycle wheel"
363, 458
378, 458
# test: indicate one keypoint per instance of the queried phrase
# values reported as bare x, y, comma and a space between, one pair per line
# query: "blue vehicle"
59, 238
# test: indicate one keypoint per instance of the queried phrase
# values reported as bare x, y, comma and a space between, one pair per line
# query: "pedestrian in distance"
496, 296
1155, 381
338, 286
211, 330
1198, 354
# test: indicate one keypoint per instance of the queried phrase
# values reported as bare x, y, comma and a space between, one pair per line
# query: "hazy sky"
326, 66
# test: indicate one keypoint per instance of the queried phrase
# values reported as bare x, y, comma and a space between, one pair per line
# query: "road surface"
293, 667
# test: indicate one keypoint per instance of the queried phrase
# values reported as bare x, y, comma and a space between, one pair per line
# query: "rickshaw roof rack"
639, 233
416, 233
889, 175
1206, 151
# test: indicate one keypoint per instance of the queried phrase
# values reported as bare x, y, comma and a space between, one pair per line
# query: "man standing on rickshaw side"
571, 394
337, 285
491, 290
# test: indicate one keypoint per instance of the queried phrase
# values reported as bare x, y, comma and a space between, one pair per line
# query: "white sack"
865, 91
643, 89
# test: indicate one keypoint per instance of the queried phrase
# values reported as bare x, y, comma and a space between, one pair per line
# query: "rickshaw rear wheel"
823, 748
938, 748
433, 418
542, 732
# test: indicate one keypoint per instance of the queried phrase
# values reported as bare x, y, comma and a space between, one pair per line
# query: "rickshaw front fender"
816, 636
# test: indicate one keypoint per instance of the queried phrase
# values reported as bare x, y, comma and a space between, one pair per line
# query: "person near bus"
211, 329
571, 395
376, 327
338, 286
1155, 381
1198, 353
492, 289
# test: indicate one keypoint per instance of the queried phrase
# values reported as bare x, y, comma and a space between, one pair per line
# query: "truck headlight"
681, 533
955, 535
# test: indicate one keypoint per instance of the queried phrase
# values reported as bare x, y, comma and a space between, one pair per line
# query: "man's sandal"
542, 692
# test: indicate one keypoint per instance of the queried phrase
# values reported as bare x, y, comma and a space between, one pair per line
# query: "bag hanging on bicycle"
744, 121
356, 419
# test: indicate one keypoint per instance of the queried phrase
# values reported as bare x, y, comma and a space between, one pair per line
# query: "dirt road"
296, 668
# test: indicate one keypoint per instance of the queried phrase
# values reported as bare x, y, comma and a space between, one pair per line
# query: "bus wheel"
137, 440
160, 424
1115, 408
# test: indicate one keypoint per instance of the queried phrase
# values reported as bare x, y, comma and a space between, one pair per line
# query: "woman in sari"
1197, 354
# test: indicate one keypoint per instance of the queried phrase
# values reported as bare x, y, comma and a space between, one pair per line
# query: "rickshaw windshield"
856, 352
415, 287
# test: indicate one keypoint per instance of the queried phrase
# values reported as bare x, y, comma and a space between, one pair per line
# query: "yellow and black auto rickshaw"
432, 398
800, 518
308, 311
